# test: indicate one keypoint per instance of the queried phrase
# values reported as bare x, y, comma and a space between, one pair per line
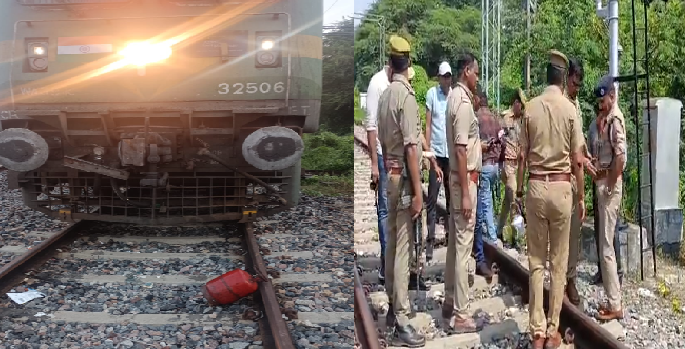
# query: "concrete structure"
630, 247
664, 114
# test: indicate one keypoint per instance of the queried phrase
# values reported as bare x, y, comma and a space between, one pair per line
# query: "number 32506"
250, 88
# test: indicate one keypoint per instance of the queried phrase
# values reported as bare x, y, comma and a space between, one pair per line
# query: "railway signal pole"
610, 14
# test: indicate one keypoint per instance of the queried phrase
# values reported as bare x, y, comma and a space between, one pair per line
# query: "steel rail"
17, 268
365, 328
272, 309
587, 333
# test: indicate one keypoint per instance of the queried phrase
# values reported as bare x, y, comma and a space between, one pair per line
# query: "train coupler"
249, 214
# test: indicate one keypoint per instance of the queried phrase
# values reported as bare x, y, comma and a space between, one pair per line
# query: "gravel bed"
129, 298
120, 229
201, 266
17, 221
57, 335
156, 247
650, 321
313, 297
315, 336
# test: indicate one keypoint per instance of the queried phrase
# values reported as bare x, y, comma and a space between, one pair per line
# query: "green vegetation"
332, 149
442, 29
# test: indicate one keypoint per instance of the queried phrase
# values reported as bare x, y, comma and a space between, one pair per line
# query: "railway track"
501, 305
120, 286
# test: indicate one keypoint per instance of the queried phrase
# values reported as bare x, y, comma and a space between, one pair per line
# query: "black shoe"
406, 336
597, 279
390, 317
412, 283
483, 270
429, 249
472, 280
381, 272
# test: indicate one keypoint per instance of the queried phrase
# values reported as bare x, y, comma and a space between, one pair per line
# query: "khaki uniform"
576, 224
399, 125
462, 129
551, 131
606, 147
511, 155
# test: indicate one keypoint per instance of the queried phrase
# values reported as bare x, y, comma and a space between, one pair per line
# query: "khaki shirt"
399, 124
605, 146
551, 132
511, 151
580, 117
462, 128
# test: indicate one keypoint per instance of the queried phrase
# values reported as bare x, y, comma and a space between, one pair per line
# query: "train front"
158, 112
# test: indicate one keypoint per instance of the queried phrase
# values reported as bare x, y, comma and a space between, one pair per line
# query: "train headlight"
142, 53
37, 55
267, 45
268, 53
39, 50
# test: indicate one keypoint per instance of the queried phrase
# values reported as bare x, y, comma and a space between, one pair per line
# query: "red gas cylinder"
229, 287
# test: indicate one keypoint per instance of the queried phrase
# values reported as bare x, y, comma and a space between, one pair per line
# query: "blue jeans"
489, 175
382, 207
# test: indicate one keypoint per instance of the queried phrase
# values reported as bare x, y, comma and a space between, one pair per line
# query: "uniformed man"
551, 148
399, 129
573, 85
607, 138
464, 148
511, 123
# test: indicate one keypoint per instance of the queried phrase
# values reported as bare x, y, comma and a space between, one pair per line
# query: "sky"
360, 6
335, 10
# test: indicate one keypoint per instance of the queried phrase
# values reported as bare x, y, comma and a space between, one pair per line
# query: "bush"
327, 151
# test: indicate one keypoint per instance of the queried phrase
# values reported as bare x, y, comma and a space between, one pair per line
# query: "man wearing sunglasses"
607, 141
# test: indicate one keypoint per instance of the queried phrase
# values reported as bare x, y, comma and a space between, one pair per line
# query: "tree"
337, 95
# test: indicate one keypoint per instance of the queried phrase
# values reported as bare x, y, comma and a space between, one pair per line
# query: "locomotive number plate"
240, 88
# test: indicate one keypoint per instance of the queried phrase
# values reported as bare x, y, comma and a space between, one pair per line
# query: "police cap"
604, 86
558, 59
399, 46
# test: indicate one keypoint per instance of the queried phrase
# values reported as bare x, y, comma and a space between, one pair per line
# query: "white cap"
444, 69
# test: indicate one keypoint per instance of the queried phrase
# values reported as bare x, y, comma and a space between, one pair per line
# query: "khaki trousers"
459, 246
574, 235
397, 252
608, 214
548, 221
509, 180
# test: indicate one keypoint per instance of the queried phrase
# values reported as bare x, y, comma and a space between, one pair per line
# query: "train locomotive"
158, 112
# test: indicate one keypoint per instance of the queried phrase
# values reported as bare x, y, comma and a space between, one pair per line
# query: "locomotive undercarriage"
150, 166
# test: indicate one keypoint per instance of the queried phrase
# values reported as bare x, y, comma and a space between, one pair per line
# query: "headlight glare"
267, 45
142, 53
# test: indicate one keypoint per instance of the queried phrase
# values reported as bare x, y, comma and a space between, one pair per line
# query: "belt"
473, 175
512, 161
395, 170
489, 162
552, 177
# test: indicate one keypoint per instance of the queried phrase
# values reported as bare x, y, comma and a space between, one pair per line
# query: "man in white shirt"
379, 82
436, 137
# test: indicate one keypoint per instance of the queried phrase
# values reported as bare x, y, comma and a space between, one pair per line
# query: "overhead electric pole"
530, 8
380, 20
491, 25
